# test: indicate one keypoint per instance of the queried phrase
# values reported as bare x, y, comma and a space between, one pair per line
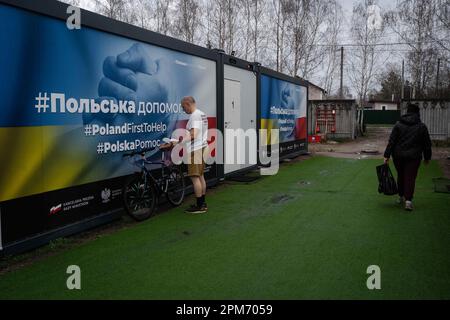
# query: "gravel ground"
375, 141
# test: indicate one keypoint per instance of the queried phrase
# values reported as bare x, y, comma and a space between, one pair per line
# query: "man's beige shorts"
197, 165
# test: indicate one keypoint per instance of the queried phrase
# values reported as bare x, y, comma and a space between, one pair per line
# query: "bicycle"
142, 191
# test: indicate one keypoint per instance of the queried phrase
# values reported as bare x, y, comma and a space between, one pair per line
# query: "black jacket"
409, 139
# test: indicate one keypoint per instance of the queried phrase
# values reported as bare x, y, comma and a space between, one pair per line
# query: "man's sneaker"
194, 209
400, 200
204, 205
408, 206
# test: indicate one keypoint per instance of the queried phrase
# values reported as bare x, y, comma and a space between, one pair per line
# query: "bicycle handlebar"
141, 152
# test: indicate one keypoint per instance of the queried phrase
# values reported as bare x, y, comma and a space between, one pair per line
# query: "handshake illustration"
133, 75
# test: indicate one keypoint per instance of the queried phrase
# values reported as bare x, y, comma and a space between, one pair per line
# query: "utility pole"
402, 92
437, 77
341, 89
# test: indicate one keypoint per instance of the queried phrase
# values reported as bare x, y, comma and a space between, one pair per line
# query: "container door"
232, 116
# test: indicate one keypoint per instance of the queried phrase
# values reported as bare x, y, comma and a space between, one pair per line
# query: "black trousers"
406, 176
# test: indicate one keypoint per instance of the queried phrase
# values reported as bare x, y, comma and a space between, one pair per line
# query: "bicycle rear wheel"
176, 186
139, 198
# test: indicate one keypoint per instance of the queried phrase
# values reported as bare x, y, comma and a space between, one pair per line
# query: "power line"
389, 35
375, 44
396, 50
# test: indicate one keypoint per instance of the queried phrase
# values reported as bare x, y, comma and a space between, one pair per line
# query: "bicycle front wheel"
176, 186
139, 198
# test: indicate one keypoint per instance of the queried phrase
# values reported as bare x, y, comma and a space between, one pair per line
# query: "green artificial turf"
310, 232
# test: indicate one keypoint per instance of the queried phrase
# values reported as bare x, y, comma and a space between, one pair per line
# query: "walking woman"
409, 141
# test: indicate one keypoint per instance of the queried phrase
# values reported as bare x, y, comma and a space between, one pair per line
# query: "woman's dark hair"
412, 108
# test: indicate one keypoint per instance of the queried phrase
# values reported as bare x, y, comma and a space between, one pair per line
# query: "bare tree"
298, 11
306, 27
316, 32
75, 3
257, 14
248, 27
253, 11
218, 23
442, 25
365, 59
144, 12
414, 21
162, 16
186, 23
332, 55
122, 10
231, 14
207, 24
223, 20
281, 11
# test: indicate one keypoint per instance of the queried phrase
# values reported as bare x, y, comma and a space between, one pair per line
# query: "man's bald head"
188, 104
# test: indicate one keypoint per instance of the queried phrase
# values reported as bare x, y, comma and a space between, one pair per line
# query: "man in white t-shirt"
196, 144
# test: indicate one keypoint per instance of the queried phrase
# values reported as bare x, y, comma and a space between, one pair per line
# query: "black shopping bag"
386, 181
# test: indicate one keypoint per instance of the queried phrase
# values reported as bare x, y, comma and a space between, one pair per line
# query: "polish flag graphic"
55, 209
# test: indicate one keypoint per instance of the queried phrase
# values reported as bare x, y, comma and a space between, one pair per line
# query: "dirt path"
374, 143
372, 146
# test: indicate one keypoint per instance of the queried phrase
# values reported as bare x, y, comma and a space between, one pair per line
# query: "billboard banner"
73, 101
283, 106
